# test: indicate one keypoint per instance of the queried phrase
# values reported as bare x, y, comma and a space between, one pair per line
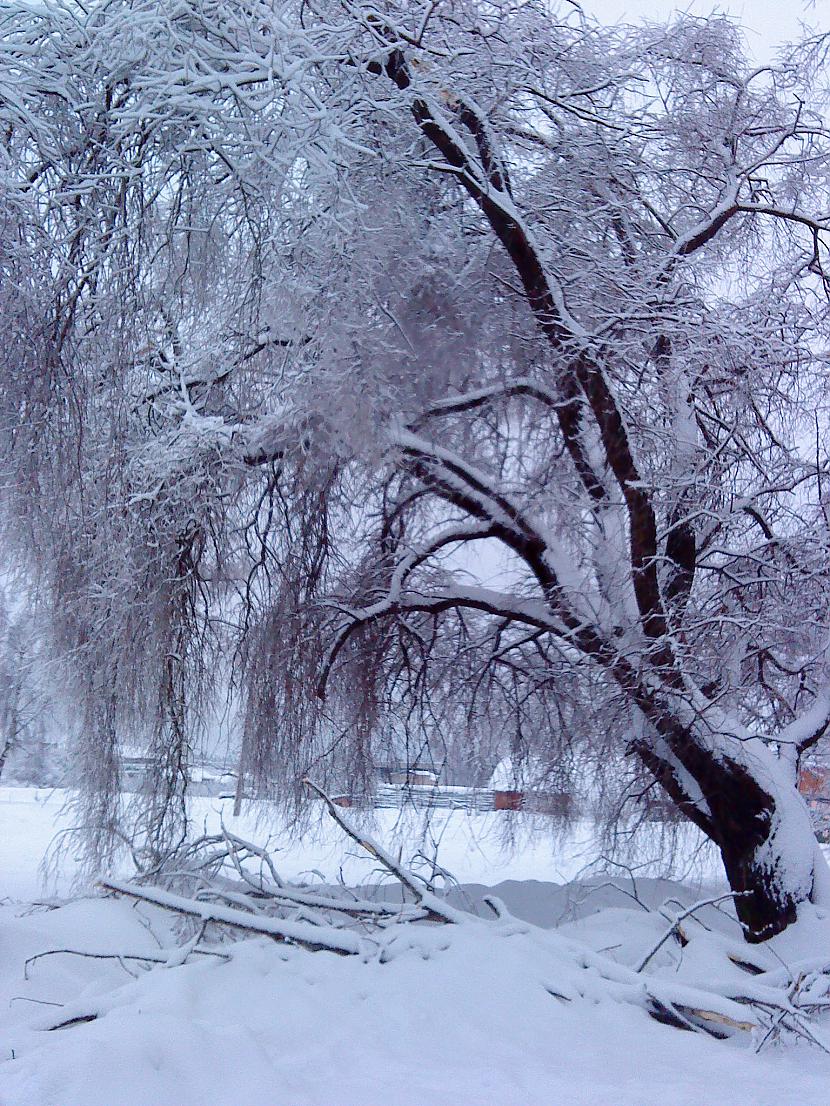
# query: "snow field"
459, 1015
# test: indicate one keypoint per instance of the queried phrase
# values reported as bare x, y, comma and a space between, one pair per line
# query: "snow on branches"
405, 372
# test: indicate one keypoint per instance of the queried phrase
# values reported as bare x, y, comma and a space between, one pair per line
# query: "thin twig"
682, 917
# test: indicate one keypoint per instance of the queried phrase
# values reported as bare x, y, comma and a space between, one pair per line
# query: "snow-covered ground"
474, 847
456, 1014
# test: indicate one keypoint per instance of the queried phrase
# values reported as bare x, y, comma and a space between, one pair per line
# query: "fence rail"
390, 796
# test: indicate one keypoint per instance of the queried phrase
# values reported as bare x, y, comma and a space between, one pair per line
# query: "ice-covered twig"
235, 844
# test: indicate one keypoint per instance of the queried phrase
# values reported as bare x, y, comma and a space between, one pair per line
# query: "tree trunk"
751, 809
4, 753
766, 903
239, 791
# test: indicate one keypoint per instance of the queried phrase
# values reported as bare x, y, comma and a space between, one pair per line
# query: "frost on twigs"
435, 376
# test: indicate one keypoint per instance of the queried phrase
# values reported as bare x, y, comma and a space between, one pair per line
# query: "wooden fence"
390, 796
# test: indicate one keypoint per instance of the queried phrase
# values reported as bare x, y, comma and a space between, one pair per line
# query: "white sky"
767, 23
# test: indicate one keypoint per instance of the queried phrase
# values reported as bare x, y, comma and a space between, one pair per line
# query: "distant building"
416, 776
417, 786
523, 787
205, 779
136, 766
814, 785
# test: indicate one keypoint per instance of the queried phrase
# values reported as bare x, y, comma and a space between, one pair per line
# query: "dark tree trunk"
764, 905
744, 817
765, 869
736, 793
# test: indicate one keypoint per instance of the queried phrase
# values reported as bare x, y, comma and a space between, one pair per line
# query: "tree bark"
745, 818
763, 832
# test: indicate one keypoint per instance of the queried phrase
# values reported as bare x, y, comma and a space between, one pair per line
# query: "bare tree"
443, 365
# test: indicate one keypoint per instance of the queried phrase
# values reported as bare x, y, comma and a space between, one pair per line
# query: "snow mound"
457, 1014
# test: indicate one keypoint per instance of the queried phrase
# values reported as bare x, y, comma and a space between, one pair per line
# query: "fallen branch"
362, 909
235, 844
436, 908
147, 958
673, 928
79, 1019
718, 1019
312, 937
327, 920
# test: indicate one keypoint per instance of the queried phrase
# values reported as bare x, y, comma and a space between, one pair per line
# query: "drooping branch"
806, 730
497, 604
472, 491
566, 404
669, 774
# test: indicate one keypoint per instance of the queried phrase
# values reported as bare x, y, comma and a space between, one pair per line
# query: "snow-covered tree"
437, 366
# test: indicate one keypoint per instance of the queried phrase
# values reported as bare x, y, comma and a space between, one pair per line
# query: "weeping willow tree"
425, 367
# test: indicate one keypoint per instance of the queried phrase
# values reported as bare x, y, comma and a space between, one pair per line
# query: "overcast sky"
767, 23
